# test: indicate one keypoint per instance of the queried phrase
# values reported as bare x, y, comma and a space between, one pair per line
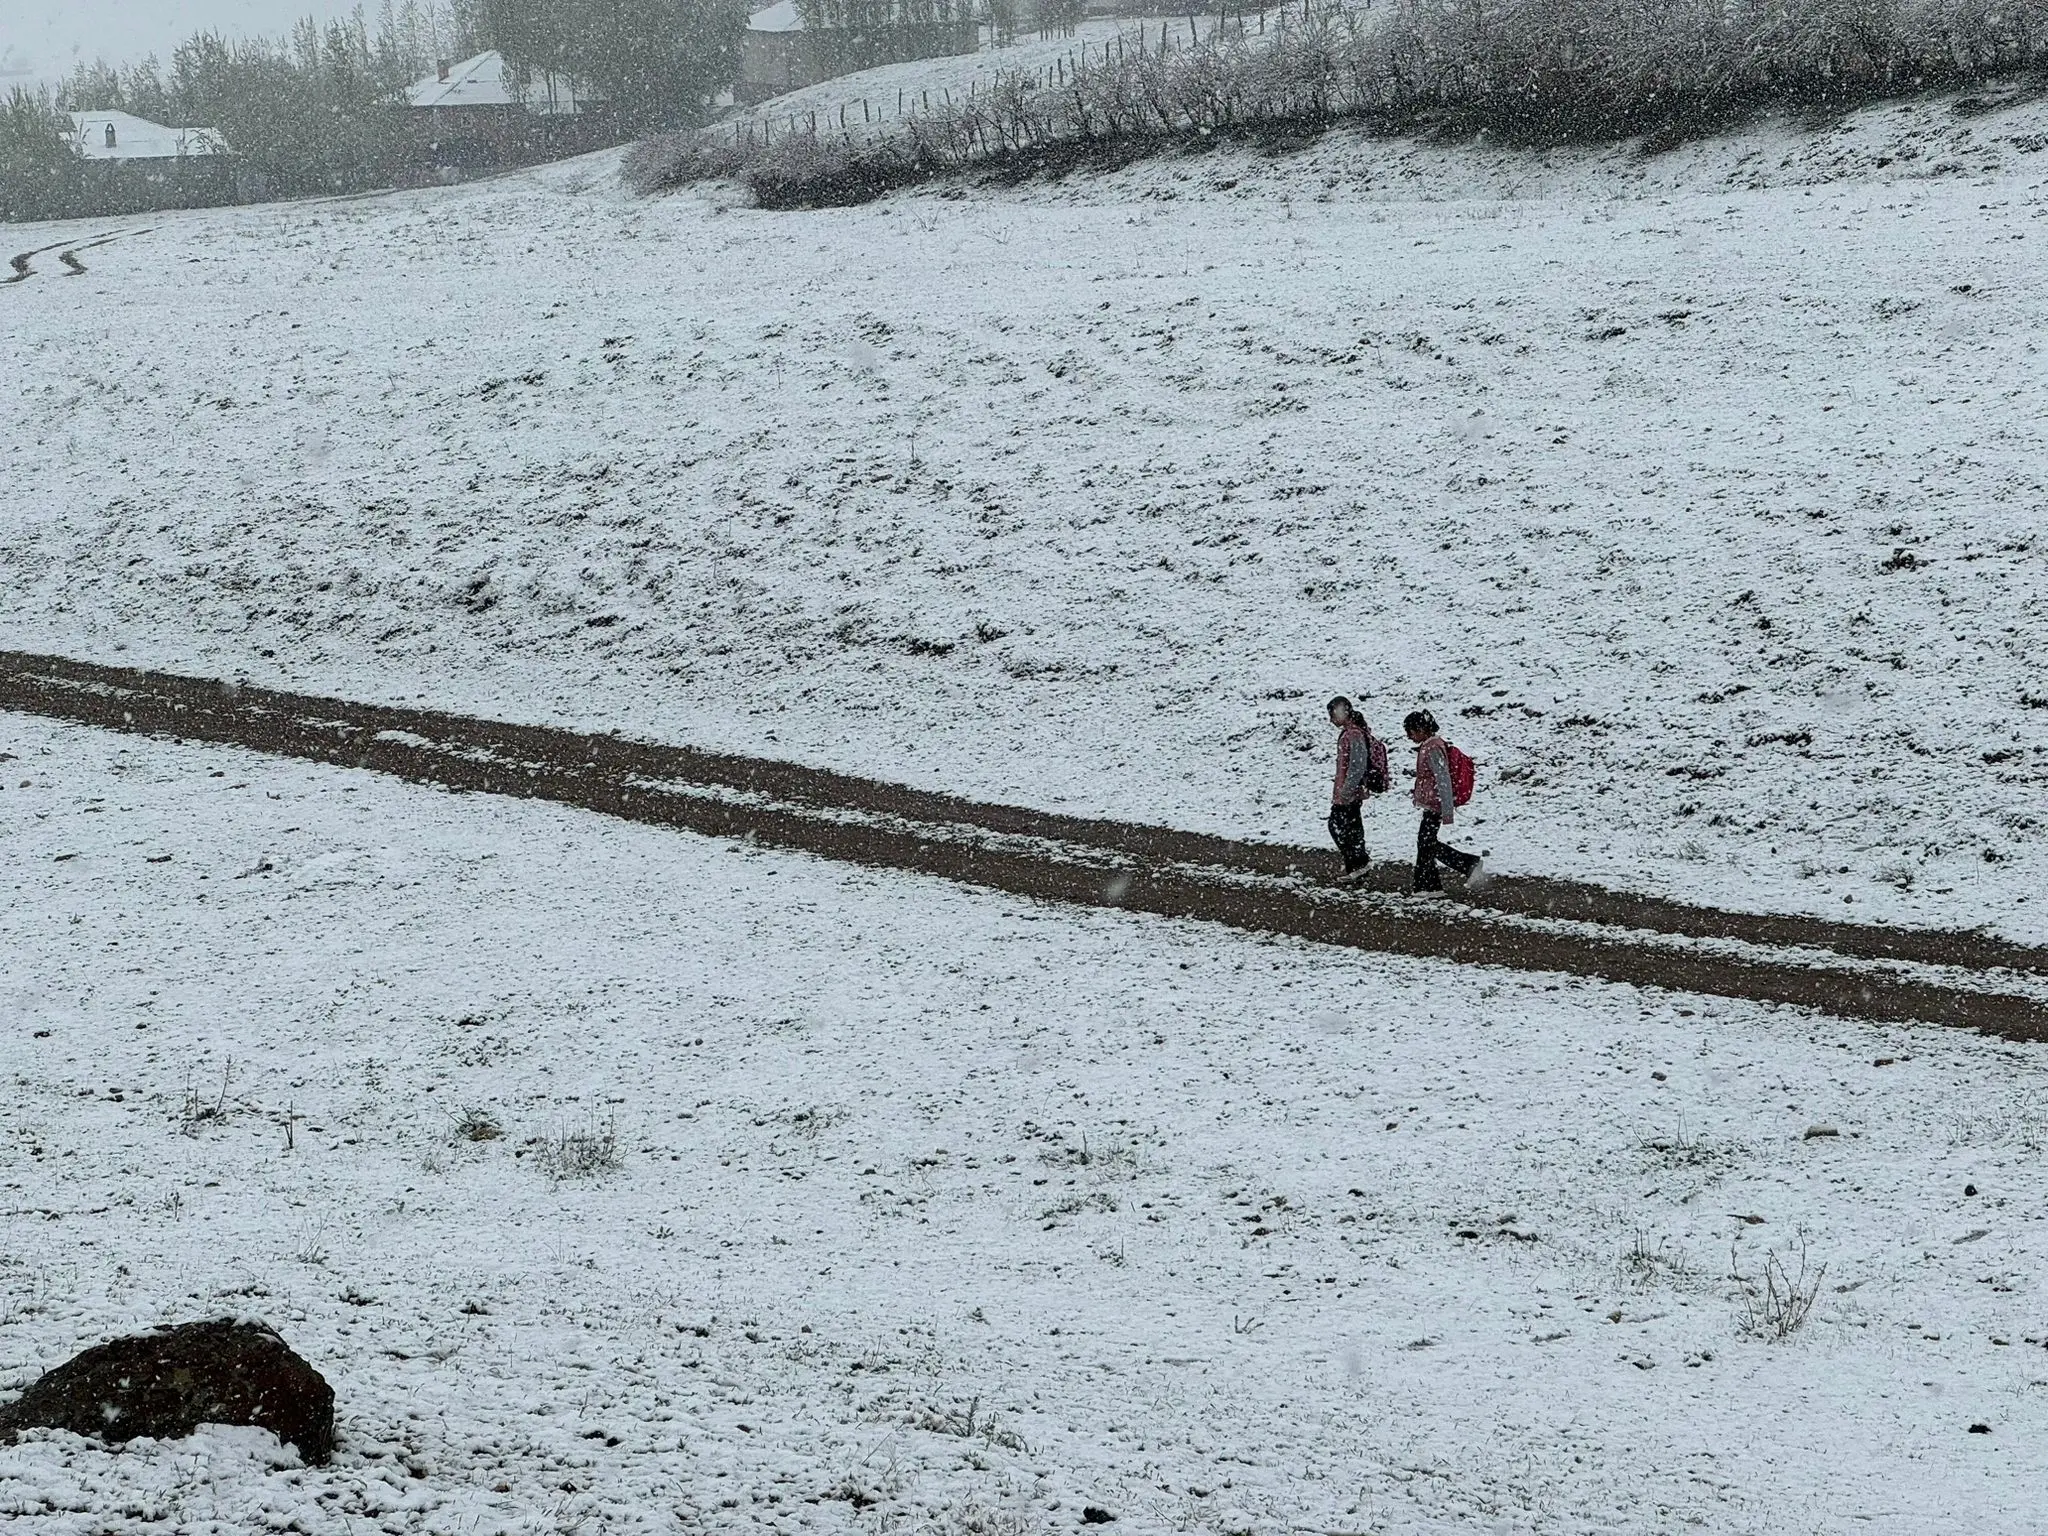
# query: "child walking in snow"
1437, 794
1361, 771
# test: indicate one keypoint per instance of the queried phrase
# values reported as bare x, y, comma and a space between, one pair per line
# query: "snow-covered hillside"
935, 1212
1701, 494
894, 91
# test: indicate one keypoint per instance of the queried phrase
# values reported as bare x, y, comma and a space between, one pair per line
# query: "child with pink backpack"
1443, 782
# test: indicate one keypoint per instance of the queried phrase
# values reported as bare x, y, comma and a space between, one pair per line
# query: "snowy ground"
1702, 495
1206, 1232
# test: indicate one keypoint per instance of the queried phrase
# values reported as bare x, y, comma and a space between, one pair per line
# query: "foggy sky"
40, 40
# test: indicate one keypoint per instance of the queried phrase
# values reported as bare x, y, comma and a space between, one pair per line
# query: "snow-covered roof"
488, 81
782, 16
137, 138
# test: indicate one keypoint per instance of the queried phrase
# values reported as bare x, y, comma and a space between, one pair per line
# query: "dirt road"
1856, 971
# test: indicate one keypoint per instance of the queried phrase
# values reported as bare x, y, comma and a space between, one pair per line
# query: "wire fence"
865, 116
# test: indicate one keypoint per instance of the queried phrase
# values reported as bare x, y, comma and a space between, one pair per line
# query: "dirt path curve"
1839, 968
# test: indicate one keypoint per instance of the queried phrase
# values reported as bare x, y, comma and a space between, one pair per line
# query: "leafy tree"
412, 35
656, 63
661, 62
41, 176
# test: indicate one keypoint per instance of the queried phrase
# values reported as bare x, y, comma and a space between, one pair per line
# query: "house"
773, 55
486, 113
122, 136
780, 52
136, 166
487, 83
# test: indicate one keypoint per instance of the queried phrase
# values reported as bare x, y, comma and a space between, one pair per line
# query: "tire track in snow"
22, 270
1044, 856
67, 254
76, 268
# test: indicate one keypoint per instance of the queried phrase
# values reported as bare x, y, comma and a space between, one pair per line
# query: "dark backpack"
1376, 779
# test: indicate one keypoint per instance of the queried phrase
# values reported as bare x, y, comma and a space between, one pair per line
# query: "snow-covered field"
935, 1212
1701, 494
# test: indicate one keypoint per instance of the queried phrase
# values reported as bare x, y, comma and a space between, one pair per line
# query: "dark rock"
168, 1382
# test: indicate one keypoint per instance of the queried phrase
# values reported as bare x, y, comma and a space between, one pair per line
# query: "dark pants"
1429, 853
1347, 831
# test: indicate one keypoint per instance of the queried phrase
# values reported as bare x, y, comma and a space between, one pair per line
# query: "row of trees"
655, 63
313, 111
212, 80
876, 15
309, 112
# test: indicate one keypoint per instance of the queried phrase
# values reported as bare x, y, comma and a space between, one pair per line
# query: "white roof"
486, 81
137, 138
783, 16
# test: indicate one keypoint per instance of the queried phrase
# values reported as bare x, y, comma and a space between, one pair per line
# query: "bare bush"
1777, 1302
1528, 70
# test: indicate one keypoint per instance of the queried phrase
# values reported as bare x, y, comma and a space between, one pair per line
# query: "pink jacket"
1354, 756
1432, 789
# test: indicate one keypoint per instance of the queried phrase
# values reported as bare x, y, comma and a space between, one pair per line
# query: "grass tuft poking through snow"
579, 1152
476, 1123
201, 1109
